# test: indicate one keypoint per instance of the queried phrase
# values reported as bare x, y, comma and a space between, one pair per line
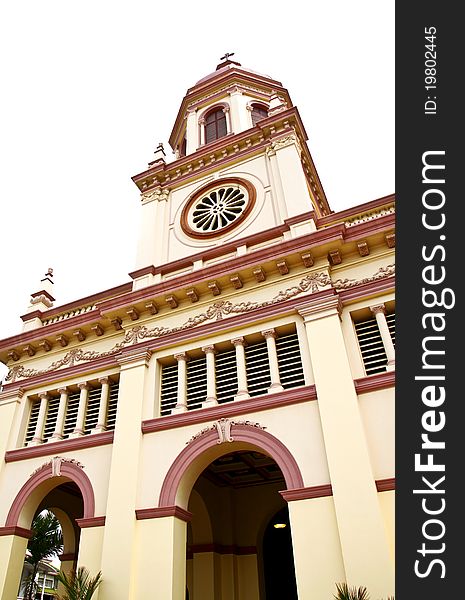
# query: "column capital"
378, 308
138, 359
44, 395
63, 390
239, 341
320, 308
210, 349
182, 356
202, 121
83, 385
104, 379
269, 333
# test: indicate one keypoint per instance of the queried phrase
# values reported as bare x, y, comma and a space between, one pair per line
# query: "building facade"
221, 426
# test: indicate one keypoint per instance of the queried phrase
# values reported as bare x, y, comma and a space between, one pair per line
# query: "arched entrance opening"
62, 488
233, 502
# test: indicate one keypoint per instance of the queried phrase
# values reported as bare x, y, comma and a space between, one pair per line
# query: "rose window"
218, 207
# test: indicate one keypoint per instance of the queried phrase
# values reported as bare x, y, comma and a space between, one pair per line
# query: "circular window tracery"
218, 207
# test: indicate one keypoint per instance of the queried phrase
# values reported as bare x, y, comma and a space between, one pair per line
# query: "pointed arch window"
259, 112
215, 125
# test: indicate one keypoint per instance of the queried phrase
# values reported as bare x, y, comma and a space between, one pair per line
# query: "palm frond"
78, 585
344, 592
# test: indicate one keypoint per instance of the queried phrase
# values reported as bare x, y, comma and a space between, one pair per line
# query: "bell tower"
242, 167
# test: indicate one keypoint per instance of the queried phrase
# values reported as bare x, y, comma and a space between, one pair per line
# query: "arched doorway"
278, 558
61, 487
232, 502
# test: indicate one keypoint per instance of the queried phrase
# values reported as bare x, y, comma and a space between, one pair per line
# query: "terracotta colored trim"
43, 293
258, 438
364, 290
91, 522
51, 448
69, 471
358, 209
386, 485
311, 215
15, 530
164, 511
231, 409
222, 549
53, 328
304, 493
67, 556
369, 227
373, 383
252, 195
31, 315
150, 270
89, 300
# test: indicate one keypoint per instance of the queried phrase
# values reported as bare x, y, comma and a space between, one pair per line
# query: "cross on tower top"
227, 55
227, 60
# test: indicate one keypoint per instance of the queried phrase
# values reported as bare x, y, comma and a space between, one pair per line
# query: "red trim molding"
252, 436
163, 511
69, 471
365, 290
386, 485
304, 493
67, 556
15, 530
51, 448
91, 522
231, 409
373, 383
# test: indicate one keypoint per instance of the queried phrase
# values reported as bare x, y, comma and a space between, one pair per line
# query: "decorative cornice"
87, 441
317, 491
381, 273
15, 530
231, 409
386, 485
373, 383
91, 522
163, 511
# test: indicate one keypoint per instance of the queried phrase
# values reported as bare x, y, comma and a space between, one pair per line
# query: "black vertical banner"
430, 311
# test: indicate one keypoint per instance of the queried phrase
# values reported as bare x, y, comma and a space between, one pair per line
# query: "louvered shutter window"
291, 371
258, 113
93, 405
34, 414
112, 405
215, 125
169, 388
196, 382
50, 421
226, 376
258, 368
71, 414
371, 345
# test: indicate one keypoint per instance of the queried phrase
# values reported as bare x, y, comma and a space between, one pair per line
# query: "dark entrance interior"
278, 559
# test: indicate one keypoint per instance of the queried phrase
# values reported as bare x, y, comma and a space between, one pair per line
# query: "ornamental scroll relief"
56, 463
311, 283
223, 429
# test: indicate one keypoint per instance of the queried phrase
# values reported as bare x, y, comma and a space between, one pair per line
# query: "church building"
220, 426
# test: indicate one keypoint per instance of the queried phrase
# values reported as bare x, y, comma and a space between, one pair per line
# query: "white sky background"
90, 88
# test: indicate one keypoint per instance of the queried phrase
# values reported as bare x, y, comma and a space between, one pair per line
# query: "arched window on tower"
259, 112
215, 125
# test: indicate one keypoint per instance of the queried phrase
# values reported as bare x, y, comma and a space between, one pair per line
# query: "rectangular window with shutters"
91, 417
257, 371
371, 345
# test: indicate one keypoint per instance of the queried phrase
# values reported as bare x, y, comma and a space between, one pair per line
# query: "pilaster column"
242, 391
379, 310
202, 131
181, 404
123, 486
227, 114
37, 439
103, 406
211, 399
78, 430
60, 422
270, 336
362, 533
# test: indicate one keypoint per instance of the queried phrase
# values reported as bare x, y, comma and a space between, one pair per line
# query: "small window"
183, 147
259, 112
215, 125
